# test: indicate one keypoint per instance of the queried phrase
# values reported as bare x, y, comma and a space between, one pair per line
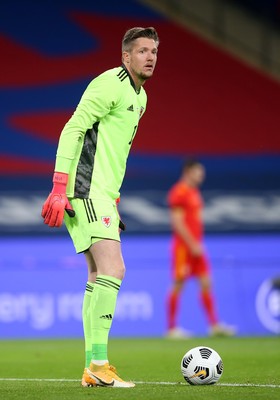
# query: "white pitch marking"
217, 384
142, 382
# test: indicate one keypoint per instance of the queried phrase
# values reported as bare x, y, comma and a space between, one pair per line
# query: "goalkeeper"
89, 170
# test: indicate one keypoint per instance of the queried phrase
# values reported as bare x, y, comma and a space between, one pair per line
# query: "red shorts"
185, 265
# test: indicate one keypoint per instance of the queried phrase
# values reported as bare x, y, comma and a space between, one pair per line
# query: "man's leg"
208, 302
86, 313
173, 304
207, 299
110, 267
173, 300
180, 273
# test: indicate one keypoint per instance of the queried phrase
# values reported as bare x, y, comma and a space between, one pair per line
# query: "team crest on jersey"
106, 221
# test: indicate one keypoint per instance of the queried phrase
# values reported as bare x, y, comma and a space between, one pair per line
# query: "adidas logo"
108, 316
130, 108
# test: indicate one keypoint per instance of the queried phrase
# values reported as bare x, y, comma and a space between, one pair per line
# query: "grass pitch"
52, 369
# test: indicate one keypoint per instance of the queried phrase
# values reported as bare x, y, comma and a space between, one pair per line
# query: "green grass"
247, 361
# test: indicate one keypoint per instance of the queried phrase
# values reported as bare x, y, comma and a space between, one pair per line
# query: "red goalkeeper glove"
57, 202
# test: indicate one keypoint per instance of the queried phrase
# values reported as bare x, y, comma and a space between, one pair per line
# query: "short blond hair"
136, 33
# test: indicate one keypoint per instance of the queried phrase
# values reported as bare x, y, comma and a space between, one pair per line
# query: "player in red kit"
188, 255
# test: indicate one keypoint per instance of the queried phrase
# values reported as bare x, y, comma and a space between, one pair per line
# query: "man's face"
141, 60
196, 174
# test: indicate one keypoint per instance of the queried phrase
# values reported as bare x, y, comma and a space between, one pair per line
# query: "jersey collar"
131, 80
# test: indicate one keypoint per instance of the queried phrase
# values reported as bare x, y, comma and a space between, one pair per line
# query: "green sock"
86, 312
103, 306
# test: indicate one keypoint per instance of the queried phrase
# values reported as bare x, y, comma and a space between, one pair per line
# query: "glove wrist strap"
60, 180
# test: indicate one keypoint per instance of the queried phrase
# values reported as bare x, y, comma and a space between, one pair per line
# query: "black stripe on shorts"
91, 214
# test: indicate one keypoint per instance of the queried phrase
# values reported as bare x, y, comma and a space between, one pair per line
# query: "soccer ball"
202, 366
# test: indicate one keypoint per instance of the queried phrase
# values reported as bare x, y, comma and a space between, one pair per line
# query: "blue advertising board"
42, 282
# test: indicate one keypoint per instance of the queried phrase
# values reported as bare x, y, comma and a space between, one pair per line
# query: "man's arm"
94, 104
179, 227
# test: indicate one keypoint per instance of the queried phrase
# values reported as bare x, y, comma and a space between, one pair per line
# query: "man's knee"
108, 258
205, 282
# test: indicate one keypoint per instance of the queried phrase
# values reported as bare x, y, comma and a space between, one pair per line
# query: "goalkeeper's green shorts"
94, 220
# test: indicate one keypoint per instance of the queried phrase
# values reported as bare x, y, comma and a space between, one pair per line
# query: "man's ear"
126, 57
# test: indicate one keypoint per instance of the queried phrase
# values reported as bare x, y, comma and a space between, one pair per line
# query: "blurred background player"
188, 254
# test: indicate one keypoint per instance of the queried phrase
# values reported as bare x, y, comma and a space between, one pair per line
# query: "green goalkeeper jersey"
95, 142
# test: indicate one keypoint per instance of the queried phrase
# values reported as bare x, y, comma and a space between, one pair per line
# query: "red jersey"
189, 199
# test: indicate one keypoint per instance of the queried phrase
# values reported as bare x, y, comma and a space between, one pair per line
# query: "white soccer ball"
202, 366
